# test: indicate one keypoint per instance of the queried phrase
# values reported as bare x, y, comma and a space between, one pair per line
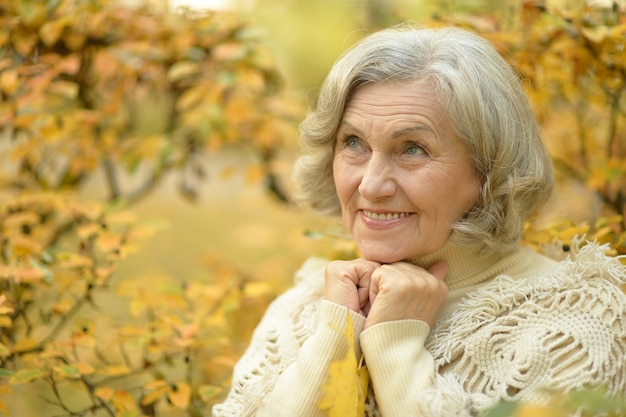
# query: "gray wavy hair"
486, 103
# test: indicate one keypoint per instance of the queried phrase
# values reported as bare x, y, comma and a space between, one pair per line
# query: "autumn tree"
130, 94
573, 64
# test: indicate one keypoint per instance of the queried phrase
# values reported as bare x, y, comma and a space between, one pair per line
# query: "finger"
373, 287
439, 270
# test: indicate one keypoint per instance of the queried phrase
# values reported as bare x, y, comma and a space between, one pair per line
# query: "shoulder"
300, 301
561, 328
586, 275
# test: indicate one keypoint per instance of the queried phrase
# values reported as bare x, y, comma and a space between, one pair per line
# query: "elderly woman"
425, 143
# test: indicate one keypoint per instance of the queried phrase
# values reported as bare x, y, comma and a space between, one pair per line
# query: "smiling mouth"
384, 216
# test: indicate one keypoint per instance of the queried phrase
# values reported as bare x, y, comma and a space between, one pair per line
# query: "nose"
377, 181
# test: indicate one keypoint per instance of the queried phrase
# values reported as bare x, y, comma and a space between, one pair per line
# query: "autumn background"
146, 215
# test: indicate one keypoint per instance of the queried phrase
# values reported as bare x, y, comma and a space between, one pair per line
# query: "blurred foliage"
90, 85
585, 403
573, 64
132, 94
574, 68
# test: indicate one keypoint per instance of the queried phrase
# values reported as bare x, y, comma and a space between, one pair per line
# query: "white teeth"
384, 216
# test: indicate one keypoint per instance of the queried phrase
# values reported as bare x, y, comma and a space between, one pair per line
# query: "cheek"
466, 193
343, 181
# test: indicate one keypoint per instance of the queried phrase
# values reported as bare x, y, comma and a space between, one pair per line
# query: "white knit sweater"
513, 325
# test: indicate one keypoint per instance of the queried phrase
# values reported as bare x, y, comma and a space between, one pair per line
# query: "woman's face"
402, 176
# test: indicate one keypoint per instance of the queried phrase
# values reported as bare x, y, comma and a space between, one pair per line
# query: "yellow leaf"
183, 69
115, 370
65, 89
62, 307
51, 31
345, 390
4, 351
25, 344
137, 307
535, 411
255, 289
179, 394
4, 408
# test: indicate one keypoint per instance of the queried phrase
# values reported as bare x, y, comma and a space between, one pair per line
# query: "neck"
467, 266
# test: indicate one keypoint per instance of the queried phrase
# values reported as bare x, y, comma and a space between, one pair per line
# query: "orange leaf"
154, 395
229, 51
254, 173
123, 401
104, 393
155, 384
180, 394
9, 81
84, 368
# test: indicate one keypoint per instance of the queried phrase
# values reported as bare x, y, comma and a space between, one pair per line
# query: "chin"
381, 256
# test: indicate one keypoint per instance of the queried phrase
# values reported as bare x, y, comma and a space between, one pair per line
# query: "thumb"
439, 270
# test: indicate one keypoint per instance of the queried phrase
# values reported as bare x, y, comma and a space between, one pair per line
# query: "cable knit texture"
514, 325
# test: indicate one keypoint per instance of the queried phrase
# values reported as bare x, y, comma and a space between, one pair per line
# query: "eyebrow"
350, 126
412, 129
396, 134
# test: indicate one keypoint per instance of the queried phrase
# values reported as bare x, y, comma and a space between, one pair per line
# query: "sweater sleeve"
404, 375
398, 363
298, 390
277, 376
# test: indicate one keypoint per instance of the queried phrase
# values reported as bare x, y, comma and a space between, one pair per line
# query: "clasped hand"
387, 292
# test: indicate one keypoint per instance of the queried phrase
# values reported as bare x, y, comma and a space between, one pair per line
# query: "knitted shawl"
509, 338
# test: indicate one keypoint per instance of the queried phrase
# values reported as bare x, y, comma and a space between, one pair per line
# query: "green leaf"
207, 392
68, 371
503, 409
26, 375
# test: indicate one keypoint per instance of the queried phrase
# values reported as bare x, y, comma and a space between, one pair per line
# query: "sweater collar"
469, 267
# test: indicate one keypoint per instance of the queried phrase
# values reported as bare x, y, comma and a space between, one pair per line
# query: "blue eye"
413, 149
351, 142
